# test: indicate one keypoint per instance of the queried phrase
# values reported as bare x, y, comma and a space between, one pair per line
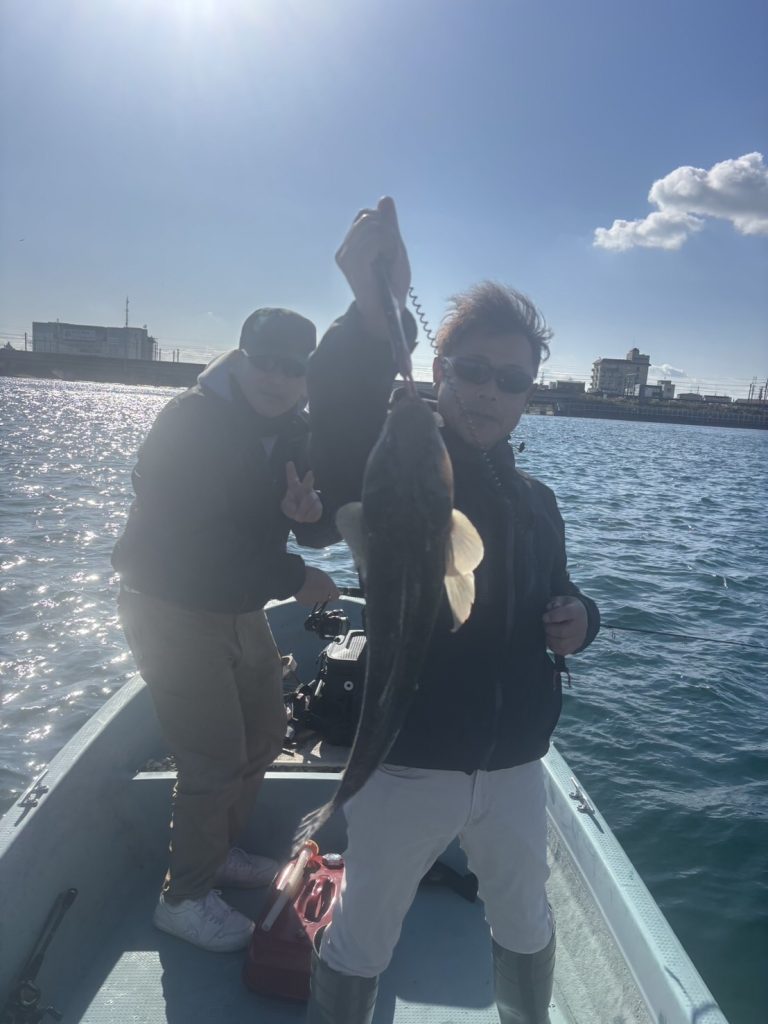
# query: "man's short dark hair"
491, 308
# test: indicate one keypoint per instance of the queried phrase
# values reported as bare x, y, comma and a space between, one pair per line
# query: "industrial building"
663, 389
568, 387
695, 396
88, 340
620, 376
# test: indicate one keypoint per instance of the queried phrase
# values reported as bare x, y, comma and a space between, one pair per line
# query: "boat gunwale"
666, 976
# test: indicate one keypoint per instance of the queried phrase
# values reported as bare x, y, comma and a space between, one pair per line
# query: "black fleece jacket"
205, 530
489, 695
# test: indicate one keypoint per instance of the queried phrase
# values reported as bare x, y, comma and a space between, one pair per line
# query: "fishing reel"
327, 624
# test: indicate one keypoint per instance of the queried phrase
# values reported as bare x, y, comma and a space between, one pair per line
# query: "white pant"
400, 823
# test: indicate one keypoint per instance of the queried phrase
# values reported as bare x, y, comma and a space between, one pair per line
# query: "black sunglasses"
509, 379
268, 362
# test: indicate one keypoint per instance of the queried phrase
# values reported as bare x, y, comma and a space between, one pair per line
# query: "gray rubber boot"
338, 998
523, 983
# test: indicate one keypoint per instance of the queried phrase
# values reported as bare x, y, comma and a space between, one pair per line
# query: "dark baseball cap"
280, 331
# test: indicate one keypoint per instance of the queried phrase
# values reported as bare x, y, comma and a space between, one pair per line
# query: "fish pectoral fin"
461, 597
349, 520
465, 552
465, 548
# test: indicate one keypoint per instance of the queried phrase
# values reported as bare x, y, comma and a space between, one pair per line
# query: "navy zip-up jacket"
489, 695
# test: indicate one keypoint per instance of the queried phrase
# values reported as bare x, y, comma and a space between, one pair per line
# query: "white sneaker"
209, 923
243, 870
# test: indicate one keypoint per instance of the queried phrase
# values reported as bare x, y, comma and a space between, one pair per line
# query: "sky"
205, 158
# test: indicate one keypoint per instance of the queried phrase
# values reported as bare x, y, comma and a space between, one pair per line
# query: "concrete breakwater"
752, 416
544, 403
102, 369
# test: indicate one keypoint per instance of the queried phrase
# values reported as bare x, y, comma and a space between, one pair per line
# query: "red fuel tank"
300, 903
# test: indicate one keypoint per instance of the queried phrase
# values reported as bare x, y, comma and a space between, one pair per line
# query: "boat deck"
440, 973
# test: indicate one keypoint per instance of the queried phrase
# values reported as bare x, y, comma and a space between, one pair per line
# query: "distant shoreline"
105, 370
98, 369
652, 410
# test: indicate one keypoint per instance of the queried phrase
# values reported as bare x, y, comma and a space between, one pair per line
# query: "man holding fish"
461, 694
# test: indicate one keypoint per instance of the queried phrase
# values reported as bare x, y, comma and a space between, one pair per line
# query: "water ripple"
667, 530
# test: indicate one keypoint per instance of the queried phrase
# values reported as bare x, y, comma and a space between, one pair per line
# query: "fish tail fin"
310, 824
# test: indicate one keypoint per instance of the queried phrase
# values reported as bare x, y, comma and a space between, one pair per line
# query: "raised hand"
301, 502
375, 237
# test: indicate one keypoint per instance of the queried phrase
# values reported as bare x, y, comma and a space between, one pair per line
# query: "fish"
410, 545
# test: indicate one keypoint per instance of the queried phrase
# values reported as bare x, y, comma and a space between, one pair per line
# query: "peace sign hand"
301, 502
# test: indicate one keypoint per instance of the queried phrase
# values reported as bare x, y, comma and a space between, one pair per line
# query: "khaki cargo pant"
216, 683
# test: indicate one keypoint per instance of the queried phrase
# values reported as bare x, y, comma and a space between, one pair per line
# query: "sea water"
667, 530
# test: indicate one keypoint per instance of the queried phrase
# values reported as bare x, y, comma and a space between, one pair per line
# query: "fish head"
409, 466
406, 516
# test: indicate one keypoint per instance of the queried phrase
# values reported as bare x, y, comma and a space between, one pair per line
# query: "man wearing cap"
221, 479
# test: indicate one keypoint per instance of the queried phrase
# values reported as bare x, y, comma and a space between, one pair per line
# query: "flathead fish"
409, 544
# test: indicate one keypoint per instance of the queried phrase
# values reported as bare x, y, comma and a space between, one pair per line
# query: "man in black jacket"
220, 480
467, 760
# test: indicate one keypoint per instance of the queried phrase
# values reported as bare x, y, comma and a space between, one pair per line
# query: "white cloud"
734, 190
664, 371
661, 230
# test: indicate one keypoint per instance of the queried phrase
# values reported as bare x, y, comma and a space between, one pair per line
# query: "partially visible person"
220, 481
467, 761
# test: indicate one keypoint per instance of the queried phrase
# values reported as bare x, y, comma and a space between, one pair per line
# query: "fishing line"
683, 636
357, 592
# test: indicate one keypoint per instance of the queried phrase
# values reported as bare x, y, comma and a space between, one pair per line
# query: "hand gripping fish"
409, 543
